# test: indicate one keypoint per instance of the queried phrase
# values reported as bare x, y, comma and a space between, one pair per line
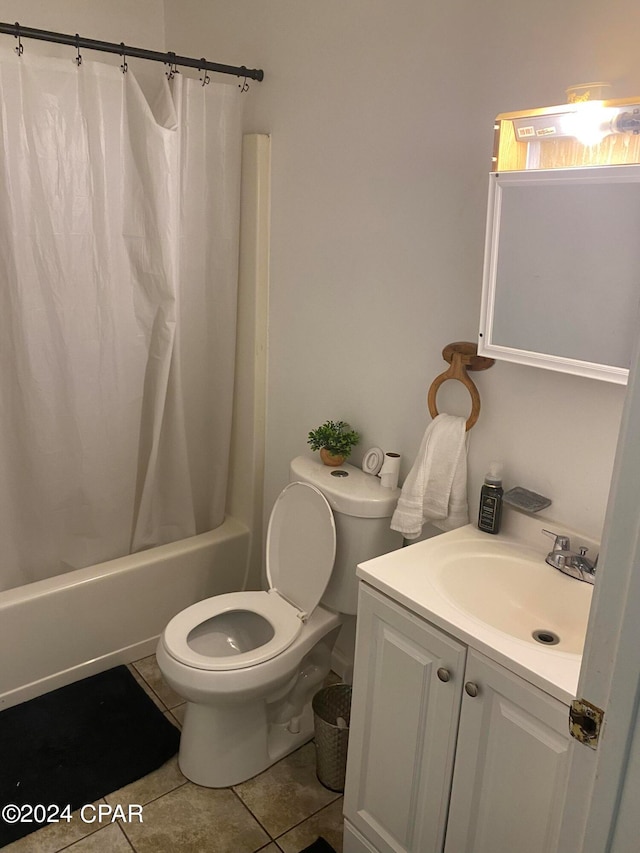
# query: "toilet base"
246, 753
226, 744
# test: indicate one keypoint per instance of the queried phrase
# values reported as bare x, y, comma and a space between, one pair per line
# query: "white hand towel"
436, 487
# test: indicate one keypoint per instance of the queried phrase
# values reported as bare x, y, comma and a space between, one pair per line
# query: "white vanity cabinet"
404, 723
511, 764
432, 768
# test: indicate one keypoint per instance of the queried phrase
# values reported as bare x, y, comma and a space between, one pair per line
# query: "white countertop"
404, 576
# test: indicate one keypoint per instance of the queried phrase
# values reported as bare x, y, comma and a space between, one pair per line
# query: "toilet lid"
301, 545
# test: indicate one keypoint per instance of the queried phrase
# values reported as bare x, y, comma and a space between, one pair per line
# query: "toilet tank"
362, 510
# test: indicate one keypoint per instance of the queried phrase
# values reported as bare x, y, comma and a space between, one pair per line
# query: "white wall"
381, 115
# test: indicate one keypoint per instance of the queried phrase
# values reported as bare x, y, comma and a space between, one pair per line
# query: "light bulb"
589, 123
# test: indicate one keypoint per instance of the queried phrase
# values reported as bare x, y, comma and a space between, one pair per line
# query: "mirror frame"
486, 345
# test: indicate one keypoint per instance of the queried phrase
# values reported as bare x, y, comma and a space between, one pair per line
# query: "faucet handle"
562, 543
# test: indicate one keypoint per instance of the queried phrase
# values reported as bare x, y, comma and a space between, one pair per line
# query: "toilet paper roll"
390, 471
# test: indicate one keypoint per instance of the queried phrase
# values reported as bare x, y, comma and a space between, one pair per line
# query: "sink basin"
497, 596
514, 590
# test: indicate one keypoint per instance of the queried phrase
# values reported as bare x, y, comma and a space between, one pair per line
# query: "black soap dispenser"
490, 513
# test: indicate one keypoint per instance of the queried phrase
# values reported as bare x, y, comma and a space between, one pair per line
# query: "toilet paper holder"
462, 356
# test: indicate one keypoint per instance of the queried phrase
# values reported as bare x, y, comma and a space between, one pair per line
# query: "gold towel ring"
462, 356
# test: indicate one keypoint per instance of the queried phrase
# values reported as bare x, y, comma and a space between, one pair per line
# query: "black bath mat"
77, 744
319, 846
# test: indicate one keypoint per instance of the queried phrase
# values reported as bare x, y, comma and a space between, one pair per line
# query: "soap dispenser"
490, 512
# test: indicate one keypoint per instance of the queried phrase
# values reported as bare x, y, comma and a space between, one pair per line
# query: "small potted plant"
334, 440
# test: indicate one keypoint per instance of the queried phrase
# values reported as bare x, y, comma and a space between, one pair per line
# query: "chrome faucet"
572, 563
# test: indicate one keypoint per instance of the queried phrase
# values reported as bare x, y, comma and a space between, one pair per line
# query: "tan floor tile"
328, 823
156, 784
192, 819
108, 840
56, 836
178, 714
168, 715
287, 793
134, 672
150, 671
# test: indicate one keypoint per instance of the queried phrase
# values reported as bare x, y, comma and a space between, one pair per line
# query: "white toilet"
249, 663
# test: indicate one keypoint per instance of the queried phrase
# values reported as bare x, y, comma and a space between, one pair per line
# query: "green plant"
335, 436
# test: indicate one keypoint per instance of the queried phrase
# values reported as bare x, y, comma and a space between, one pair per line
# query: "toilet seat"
283, 618
301, 533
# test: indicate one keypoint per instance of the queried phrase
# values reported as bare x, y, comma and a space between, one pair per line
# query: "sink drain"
547, 638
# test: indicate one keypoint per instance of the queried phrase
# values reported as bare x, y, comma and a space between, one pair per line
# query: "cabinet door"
404, 722
353, 842
552, 297
511, 765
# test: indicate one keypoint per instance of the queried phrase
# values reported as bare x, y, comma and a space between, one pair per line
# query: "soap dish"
525, 500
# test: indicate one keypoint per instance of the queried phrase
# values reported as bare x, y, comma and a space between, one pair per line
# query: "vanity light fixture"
581, 133
588, 122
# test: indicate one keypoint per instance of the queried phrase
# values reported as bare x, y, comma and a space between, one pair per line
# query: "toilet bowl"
249, 663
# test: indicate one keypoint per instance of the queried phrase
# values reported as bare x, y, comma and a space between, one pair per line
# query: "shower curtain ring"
205, 79
172, 68
20, 48
124, 67
78, 59
244, 86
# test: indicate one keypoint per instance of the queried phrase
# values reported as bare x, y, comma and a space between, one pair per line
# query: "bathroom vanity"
460, 718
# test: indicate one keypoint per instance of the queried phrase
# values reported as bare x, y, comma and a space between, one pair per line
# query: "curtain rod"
126, 51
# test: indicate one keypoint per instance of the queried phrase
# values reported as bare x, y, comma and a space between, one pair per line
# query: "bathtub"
55, 631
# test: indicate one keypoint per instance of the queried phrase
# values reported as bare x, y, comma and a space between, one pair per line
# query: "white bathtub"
58, 630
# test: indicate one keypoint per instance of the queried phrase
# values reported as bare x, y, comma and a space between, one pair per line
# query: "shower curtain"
119, 220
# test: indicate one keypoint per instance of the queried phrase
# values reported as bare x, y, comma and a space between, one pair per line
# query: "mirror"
561, 286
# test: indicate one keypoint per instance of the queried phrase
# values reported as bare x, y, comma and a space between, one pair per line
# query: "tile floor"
280, 811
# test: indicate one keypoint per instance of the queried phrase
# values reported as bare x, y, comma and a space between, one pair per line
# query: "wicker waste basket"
331, 716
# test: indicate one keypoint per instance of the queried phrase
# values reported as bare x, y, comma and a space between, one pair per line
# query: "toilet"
248, 663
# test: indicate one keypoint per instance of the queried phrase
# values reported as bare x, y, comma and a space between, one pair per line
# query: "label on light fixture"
533, 127
531, 132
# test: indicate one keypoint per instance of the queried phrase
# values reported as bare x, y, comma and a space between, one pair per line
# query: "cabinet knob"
444, 674
471, 689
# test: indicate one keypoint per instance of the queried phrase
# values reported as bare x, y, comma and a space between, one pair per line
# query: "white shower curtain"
119, 219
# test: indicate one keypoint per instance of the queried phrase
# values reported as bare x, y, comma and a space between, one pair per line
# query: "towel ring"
462, 357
